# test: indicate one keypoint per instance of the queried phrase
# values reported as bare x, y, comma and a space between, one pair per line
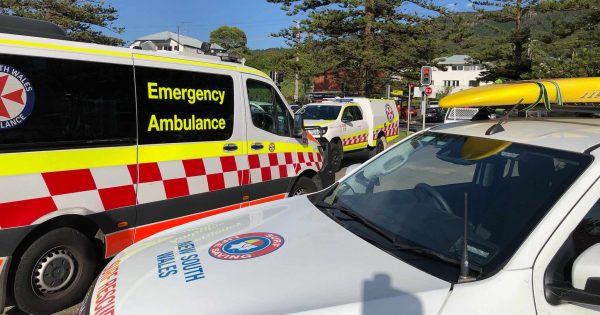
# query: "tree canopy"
365, 41
230, 38
83, 20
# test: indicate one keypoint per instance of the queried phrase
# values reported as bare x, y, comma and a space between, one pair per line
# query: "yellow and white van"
352, 124
101, 147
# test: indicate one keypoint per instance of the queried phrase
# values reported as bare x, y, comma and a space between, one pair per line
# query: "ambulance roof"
50, 45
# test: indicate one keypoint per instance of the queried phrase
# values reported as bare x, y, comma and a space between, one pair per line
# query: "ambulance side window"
51, 103
348, 115
268, 111
357, 113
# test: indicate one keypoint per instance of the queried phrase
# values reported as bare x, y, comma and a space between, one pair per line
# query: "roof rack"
206, 53
30, 27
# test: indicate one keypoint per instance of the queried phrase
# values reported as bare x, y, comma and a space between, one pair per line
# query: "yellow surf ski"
555, 91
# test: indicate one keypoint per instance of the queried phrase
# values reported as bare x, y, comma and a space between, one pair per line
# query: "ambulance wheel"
379, 147
336, 154
54, 272
303, 186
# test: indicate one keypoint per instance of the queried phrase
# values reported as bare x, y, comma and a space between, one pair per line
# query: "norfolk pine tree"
364, 42
81, 19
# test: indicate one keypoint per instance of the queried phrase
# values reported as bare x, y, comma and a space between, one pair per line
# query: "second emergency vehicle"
102, 147
352, 124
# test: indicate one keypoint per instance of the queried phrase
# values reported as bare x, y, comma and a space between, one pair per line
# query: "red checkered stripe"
392, 129
26, 198
355, 139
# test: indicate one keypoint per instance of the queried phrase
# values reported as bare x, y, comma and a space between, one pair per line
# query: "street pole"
408, 113
296, 83
423, 109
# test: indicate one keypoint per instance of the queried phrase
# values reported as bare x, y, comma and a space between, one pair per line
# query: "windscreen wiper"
394, 245
423, 251
357, 218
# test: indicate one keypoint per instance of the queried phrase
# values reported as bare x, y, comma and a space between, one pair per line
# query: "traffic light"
426, 76
277, 77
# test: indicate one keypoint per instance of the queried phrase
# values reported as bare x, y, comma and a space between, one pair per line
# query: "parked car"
457, 219
434, 114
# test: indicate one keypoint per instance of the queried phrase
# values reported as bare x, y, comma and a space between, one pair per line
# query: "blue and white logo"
16, 97
245, 246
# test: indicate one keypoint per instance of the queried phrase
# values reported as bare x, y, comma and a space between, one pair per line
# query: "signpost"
428, 90
411, 86
426, 72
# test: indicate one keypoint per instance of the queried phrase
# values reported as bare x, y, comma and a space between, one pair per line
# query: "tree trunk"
367, 87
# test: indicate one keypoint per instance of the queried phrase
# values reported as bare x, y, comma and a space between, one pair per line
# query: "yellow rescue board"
573, 90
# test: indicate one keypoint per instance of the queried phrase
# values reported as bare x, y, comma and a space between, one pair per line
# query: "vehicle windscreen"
411, 201
321, 112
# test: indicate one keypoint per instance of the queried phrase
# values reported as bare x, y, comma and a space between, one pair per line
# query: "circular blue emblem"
244, 246
247, 245
16, 97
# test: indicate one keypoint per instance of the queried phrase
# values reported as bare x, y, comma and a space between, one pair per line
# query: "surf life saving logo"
246, 246
16, 97
389, 112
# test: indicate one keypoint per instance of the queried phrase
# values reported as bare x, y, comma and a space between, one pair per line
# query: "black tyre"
303, 186
379, 147
54, 272
336, 154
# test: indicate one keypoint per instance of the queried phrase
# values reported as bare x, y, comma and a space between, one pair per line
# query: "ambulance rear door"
192, 158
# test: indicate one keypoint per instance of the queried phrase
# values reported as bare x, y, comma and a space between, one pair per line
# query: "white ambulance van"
465, 218
102, 147
352, 124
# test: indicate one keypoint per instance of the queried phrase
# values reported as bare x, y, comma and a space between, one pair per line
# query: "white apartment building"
169, 41
461, 73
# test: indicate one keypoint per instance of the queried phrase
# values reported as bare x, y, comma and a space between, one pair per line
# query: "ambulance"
102, 147
484, 217
352, 124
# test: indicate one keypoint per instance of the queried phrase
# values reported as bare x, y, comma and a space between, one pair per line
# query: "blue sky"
257, 18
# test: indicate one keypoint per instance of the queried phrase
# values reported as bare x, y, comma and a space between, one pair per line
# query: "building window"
473, 83
451, 83
458, 68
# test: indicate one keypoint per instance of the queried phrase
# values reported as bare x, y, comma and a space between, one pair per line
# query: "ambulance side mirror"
298, 126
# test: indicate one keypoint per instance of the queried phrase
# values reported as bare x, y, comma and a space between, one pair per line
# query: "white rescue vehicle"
351, 124
487, 217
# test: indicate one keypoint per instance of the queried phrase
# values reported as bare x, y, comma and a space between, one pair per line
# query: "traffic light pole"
423, 111
408, 113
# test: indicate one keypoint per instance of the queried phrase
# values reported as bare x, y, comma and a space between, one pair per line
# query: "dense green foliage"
231, 38
81, 19
519, 39
365, 42
555, 39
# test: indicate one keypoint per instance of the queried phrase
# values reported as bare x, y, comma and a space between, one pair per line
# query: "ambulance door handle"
230, 147
257, 146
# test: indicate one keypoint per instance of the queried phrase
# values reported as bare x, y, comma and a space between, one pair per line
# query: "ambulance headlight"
316, 132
